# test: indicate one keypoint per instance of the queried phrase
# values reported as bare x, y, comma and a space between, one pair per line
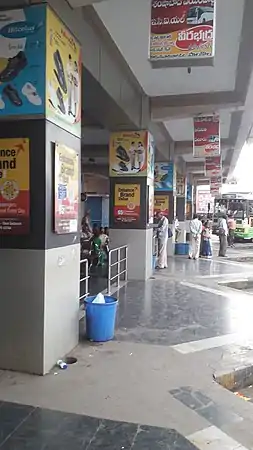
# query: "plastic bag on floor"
99, 298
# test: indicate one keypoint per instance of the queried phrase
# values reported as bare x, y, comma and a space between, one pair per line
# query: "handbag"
170, 234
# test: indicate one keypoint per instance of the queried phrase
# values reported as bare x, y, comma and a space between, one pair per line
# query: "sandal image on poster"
122, 154
61, 105
12, 94
13, 68
123, 166
30, 92
59, 72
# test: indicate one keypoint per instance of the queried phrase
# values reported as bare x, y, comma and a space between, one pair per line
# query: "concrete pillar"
181, 205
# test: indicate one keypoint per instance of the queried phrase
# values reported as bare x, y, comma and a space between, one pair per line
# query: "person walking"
223, 235
195, 237
231, 231
162, 235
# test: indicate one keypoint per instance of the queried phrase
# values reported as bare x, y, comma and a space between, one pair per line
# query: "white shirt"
223, 225
195, 227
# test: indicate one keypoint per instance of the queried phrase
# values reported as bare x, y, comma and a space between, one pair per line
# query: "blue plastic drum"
100, 319
181, 248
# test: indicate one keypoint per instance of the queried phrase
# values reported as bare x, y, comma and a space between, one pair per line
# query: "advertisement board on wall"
63, 75
206, 140
161, 204
66, 190
182, 29
213, 166
22, 61
131, 154
203, 199
164, 176
14, 186
127, 203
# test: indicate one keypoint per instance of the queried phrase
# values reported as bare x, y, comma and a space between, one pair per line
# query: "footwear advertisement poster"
66, 190
22, 61
127, 203
180, 185
213, 166
164, 176
14, 186
130, 154
206, 141
161, 204
182, 29
63, 75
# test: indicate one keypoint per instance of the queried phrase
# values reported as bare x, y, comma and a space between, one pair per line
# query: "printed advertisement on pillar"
14, 186
151, 194
63, 71
182, 29
164, 176
22, 61
66, 190
130, 154
206, 141
127, 203
181, 185
189, 194
161, 204
213, 166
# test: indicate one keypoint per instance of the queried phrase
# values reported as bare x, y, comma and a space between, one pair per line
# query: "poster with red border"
215, 185
161, 204
14, 186
206, 141
182, 29
213, 166
127, 203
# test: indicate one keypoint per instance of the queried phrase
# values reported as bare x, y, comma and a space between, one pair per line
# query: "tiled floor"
28, 428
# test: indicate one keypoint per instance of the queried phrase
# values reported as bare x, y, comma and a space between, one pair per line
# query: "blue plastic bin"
182, 248
100, 319
154, 260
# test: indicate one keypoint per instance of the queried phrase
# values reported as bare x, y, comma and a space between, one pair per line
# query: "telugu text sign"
14, 186
213, 166
206, 141
182, 29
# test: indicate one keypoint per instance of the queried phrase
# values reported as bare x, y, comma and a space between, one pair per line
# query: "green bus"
240, 205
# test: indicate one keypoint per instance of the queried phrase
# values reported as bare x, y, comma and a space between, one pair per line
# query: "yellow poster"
66, 190
63, 76
14, 186
161, 204
127, 203
130, 154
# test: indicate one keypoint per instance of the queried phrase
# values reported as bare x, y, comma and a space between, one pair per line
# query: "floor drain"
70, 360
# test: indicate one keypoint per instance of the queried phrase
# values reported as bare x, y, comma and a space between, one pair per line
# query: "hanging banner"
161, 204
213, 166
215, 185
14, 186
206, 141
164, 176
182, 29
66, 190
131, 154
181, 185
127, 203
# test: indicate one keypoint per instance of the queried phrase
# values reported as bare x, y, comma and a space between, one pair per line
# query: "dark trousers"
231, 237
223, 245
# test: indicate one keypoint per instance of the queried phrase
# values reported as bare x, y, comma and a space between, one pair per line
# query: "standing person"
177, 229
207, 245
195, 237
231, 231
202, 239
162, 234
223, 234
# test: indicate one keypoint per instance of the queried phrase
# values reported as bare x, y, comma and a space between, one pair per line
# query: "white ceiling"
128, 23
182, 129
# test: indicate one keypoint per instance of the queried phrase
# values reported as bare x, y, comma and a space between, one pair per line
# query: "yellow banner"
63, 76
161, 204
127, 203
130, 154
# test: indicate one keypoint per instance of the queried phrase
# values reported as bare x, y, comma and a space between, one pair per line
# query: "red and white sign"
206, 141
182, 29
202, 201
215, 185
213, 166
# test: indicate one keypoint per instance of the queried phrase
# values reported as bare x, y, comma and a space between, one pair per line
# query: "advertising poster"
151, 157
182, 29
22, 61
206, 140
127, 203
215, 185
14, 186
203, 198
189, 194
151, 194
164, 176
181, 185
213, 166
66, 190
161, 204
129, 153
63, 72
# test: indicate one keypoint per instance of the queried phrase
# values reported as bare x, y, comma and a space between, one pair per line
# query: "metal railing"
84, 279
117, 265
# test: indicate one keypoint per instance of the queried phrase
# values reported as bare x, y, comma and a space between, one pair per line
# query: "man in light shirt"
223, 235
195, 237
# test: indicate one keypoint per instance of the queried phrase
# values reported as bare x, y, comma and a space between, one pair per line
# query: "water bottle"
62, 364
